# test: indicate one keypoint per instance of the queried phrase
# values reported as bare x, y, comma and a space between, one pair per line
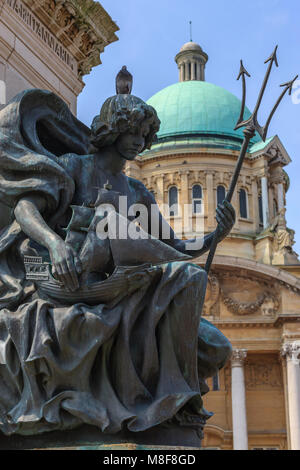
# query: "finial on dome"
124, 81
191, 60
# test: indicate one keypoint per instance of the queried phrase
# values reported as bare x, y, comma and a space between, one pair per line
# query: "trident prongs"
251, 125
288, 87
242, 74
252, 121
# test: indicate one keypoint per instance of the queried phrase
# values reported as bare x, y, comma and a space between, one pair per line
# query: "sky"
152, 32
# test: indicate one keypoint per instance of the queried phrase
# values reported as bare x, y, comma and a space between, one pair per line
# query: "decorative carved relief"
150, 183
81, 25
197, 177
270, 305
263, 375
275, 156
283, 252
245, 296
242, 308
212, 296
238, 357
262, 372
291, 350
172, 179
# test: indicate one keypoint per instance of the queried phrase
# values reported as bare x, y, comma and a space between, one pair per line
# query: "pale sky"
152, 32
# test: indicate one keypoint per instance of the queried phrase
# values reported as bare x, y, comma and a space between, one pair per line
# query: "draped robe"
129, 364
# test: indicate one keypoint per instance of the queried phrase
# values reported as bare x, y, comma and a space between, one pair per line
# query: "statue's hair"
120, 114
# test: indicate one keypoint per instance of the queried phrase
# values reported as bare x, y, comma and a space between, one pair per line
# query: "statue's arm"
28, 213
157, 226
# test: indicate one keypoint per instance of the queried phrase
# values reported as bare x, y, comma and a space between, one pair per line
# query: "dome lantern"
191, 60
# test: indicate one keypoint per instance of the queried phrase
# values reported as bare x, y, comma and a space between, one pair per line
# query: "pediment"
244, 289
274, 151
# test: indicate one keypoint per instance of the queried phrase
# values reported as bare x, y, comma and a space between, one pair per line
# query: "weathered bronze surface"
251, 126
104, 333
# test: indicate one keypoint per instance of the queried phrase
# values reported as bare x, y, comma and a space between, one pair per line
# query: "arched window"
243, 204
197, 199
275, 207
260, 210
173, 200
220, 194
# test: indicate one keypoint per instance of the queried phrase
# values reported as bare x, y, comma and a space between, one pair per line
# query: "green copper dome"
198, 108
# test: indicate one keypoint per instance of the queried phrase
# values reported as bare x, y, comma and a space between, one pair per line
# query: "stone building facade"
253, 291
51, 44
253, 294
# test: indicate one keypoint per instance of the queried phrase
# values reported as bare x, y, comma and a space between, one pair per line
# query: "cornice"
83, 27
174, 153
254, 268
273, 154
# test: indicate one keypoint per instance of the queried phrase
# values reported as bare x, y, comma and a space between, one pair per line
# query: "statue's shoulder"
143, 193
137, 184
74, 164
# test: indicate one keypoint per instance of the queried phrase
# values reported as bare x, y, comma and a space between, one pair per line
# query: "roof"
191, 46
197, 108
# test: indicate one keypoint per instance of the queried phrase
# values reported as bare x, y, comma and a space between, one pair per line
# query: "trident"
251, 125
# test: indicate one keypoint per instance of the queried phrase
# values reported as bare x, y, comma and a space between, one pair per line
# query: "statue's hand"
65, 263
225, 216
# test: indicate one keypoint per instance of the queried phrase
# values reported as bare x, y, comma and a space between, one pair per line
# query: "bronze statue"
105, 332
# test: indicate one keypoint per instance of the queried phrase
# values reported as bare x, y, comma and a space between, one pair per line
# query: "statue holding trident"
95, 331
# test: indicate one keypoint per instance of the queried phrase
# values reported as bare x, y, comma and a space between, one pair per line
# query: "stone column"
286, 404
181, 73
184, 187
236, 204
186, 70
160, 191
198, 71
265, 201
280, 196
203, 72
210, 200
193, 71
238, 392
292, 353
255, 204
184, 201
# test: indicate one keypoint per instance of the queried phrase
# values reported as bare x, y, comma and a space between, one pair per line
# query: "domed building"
253, 291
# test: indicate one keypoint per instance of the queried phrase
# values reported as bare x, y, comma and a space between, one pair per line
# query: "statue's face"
130, 144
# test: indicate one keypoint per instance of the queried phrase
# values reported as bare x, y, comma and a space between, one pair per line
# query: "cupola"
191, 60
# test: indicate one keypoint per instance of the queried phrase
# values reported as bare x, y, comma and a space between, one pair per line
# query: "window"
173, 201
260, 210
197, 199
220, 194
243, 204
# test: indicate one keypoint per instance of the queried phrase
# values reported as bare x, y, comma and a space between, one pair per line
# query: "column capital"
291, 351
209, 172
238, 357
263, 173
